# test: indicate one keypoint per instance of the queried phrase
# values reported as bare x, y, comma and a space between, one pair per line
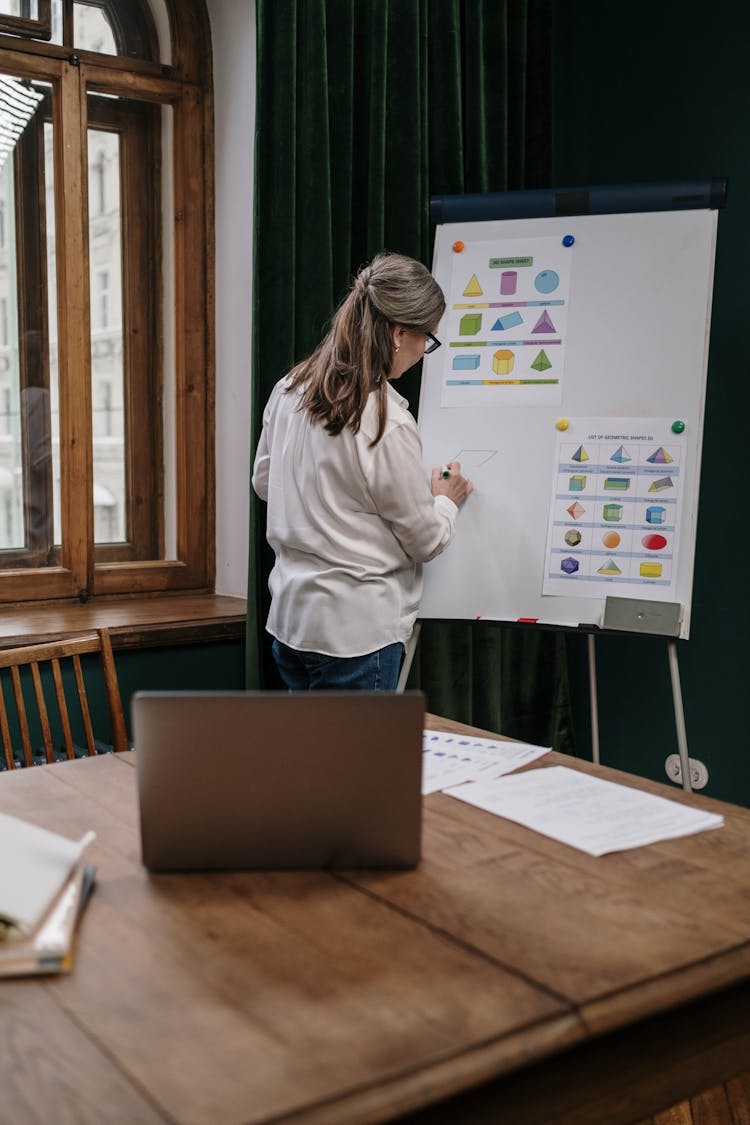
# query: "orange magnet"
458, 246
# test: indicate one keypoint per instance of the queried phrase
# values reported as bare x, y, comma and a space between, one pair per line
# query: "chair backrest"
51, 663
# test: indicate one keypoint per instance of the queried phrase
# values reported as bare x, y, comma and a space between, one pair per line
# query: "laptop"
259, 780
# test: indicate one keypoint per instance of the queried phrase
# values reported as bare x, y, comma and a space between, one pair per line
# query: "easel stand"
679, 716
619, 613
661, 618
411, 648
594, 700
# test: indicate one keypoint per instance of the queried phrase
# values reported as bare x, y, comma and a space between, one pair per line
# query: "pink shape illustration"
544, 324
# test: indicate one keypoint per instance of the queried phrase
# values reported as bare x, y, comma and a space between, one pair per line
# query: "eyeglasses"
432, 341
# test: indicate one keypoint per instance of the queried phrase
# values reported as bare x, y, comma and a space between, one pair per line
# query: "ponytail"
356, 356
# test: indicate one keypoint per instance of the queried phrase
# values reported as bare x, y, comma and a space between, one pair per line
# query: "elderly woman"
352, 513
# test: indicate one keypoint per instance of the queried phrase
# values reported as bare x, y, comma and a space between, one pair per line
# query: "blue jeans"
313, 671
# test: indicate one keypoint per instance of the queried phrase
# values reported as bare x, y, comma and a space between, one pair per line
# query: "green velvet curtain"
366, 108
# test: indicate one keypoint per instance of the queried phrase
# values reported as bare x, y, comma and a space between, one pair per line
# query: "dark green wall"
201, 667
652, 91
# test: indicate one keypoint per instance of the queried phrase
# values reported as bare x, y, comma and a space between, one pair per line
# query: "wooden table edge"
425, 1087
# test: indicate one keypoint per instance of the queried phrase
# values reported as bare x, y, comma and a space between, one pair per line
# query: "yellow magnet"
562, 423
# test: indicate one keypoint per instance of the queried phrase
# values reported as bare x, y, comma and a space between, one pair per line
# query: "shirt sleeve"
262, 465
423, 524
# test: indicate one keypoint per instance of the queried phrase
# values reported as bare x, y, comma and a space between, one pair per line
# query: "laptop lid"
243, 780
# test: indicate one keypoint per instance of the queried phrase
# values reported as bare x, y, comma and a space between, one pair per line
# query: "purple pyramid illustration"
544, 324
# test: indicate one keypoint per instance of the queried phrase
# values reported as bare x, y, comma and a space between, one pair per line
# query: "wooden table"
507, 970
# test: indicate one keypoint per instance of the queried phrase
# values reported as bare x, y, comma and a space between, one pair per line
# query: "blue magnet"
568, 240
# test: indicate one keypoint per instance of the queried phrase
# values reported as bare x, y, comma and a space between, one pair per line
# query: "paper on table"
588, 813
49, 949
451, 759
34, 864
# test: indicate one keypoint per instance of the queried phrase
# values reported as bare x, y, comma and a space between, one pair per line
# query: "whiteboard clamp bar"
630, 615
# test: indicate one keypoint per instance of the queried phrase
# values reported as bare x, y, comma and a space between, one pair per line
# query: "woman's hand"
454, 486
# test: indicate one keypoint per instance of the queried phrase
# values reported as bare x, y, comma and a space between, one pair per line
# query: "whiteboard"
573, 336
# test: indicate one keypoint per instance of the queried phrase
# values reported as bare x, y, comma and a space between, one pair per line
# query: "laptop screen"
244, 780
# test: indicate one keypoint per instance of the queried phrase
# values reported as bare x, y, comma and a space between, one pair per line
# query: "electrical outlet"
698, 772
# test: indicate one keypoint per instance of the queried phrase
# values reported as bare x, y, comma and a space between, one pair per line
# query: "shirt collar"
399, 399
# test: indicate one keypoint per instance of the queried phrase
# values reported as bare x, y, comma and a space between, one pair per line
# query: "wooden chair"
50, 663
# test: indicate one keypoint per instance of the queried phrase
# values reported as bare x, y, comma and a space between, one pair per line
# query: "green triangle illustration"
610, 567
541, 363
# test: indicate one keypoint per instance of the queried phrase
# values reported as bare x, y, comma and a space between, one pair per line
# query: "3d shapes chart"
606, 529
505, 323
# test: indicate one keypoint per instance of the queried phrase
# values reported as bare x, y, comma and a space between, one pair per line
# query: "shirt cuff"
449, 506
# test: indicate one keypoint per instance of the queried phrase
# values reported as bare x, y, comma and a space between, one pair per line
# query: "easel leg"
594, 704
411, 648
679, 716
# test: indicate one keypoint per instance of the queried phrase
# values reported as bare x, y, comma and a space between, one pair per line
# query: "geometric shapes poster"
510, 296
634, 560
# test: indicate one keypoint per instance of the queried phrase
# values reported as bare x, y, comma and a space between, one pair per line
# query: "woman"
351, 512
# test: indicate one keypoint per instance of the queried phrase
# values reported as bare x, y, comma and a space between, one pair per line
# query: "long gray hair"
356, 356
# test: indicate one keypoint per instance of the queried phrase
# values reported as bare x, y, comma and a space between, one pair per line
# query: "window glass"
57, 22
28, 430
11, 479
27, 9
53, 383
92, 30
105, 259
110, 27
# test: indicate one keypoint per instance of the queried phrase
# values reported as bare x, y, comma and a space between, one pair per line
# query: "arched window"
105, 133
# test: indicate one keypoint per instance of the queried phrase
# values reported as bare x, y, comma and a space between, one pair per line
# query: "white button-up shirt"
350, 525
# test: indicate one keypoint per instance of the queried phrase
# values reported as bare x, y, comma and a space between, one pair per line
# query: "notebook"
258, 780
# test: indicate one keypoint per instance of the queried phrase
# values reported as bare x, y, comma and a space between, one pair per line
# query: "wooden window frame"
140, 171
82, 571
39, 28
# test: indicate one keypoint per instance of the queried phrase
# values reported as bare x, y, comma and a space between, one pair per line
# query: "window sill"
134, 623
